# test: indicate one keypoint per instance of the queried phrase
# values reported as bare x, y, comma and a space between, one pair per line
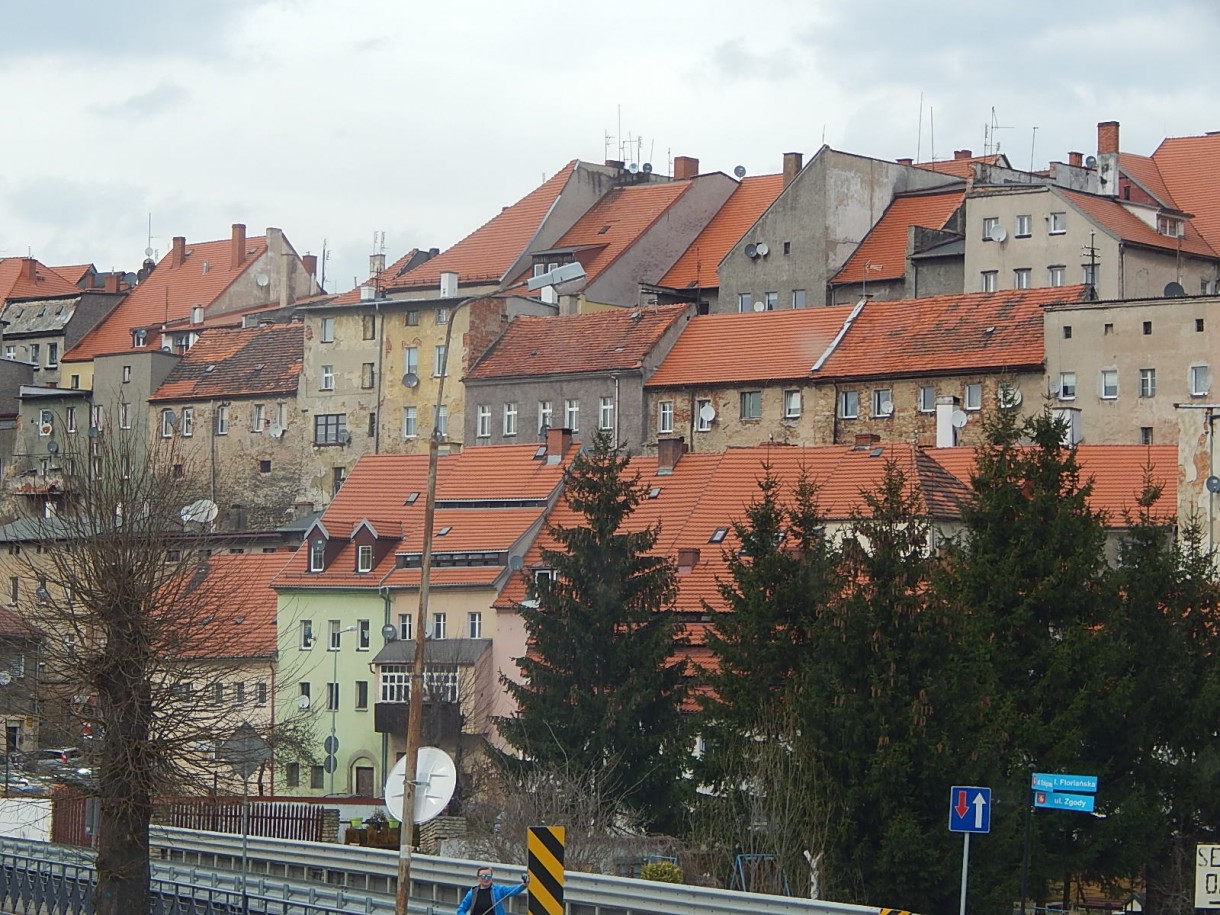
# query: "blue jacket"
498, 893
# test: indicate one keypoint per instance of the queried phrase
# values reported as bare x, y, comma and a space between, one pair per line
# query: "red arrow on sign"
962, 806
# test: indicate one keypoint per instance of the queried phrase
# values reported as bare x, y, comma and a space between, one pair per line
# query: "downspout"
380, 353
616, 405
1211, 470
212, 449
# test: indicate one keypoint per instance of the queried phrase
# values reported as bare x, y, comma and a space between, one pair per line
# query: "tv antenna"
991, 145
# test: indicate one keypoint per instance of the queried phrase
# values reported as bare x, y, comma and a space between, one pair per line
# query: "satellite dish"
1213, 484
646, 168
739, 171
5, 678
762, 249
94, 431
345, 437
1174, 290
1090, 162
958, 419
410, 380
751, 250
388, 632
435, 780
53, 447
515, 562
275, 430
886, 408
172, 418
303, 703
262, 279
760, 306
148, 252
1010, 396
999, 233
633, 167
707, 412
201, 511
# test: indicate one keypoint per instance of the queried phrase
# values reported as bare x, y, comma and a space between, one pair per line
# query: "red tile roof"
1110, 214
770, 345
384, 280
882, 254
595, 342
697, 266
948, 333
1144, 172
487, 253
1190, 168
15, 282
961, 168
238, 362
168, 294
74, 273
237, 594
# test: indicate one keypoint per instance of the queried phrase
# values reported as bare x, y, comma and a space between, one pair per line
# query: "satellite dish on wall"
201, 511
388, 632
760, 306
262, 279
739, 171
1174, 290
516, 563
410, 380
999, 233
1213, 484
303, 703
958, 418
646, 168
762, 249
275, 430
1090, 162
53, 447
751, 250
707, 413
435, 781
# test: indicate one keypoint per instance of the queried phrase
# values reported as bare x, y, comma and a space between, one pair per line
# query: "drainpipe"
377, 369
614, 378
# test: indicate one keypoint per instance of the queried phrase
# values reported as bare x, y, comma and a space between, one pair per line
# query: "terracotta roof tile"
1110, 214
15, 281
242, 604
697, 266
948, 333
386, 279
882, 253
1144, 172
168, 294
770, 345
595, 342
961, 168
238, 362
74, 273
1190, 168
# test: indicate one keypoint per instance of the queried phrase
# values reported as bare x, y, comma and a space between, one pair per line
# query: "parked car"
55, 762
23, 786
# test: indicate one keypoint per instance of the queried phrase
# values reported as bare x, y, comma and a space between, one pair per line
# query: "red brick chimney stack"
685, 167
237, 248
792, 166
310, 263
1107, 137
1076, 159
963, 154
669, 451
31, 269
177, 253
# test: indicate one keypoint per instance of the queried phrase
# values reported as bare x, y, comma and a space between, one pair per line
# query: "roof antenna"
919, 129
1033, 140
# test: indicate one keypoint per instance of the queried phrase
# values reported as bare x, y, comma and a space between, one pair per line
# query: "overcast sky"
335, 121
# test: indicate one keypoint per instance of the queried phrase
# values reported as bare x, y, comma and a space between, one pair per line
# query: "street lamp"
333, 743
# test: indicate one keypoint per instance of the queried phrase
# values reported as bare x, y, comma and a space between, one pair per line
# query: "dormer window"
139, 337
364, 558
1169, 225
317, 555
197, 314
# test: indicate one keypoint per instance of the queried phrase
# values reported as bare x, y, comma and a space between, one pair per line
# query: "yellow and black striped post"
546, 870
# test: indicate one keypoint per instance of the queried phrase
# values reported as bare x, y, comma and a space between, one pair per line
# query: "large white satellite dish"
435, 780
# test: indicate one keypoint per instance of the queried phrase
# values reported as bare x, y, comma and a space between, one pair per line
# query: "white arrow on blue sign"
969, 809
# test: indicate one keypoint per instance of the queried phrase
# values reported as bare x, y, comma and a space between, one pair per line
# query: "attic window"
654, 492
443, 531
411, 498
210, 369
317, 555
718, 535
603, 230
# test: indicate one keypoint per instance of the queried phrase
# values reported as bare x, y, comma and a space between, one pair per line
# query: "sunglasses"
484, 876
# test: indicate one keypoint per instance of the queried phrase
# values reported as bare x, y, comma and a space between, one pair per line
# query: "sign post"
1207, 876
969, 812
1056, 791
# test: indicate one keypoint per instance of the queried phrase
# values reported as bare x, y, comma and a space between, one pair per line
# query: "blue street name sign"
1045, 781
1082, 803
969, 809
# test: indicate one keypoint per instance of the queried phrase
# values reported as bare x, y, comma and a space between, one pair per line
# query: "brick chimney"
1076, 159
963, 154
110, 282
906, 161
557, 443
310, 263
792, 165
688, 558
669, 451
867, 440
685, 167
177, 253
30, 269
237, 247
1107, 137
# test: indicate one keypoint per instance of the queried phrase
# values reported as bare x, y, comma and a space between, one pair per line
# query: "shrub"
662, 872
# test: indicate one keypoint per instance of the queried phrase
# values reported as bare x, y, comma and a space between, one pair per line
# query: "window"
927, 398
1107, 329
413, 318
1067, 331
442, 315
482, 421
167, 423
364, 558
197, 314
366, 375
188, 421
1023, 226
292, 774
124, 416
260, 693
410, 360
1109, 383
544, 415
317, 777
1057, 223
849, 404
328, 378
70, 416
442, 420
1055, 275
571, 415
10, 351
1169, 225
510, 418
665, 416
409, 423
704, 414
362, 695
990, 224
52, 355
743, 302
1088, 274
438, 625
369, 326
1200, 380
332, 697
474, 624
1008, 395
335, 633
883, 402
222, 419
1067, 385
1147, 328
792, 404
605, 413
218, 693
126, 374
1021, 278
139, 338
264, 465
330, 429
438, 361
1198, 325
1147, 382
337, 476
798, 298
751, 404
404, 626
1146, 435
328, 330
974, 396
362, 635
988, 280
306, 643
772, 300
258, 417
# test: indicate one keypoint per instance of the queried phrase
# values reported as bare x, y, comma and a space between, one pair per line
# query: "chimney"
310, 263
110, 282
963, 154
31, 269
685, 167
688, 558
557, 443
906, 161
946, 432
867, 440
1076, 159
792, 165
669, 451
615, 163
237, 248
1107, 137
376, 264
177, 253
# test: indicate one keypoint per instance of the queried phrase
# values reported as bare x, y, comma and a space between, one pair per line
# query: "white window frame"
317, 555
53, 355
701, 424
1200, 380
1089, 274
849, 404
989, 280
792, 403
410, 422
438, 626
881, 396
1067, 385
927, 398
327, 333
744, 302
510, 418
439, 361
410, 360
1147, 382
605, 414
124, 415
974, 396
1023, 226
222, 419
545, 412
1056, 275
750, 405
474, 624
1022, 278
258, 414
571, 414
188, 422
441, 417
771, 300
665, 416
990, 224
334, 635
364, 558
799, 298
305, 640
1056, 223
1107, 384
70, 419
167, 427
482, 421
327, 381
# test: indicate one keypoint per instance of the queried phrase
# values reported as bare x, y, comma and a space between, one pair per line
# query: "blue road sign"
1045, 781
1081, 803
969, 809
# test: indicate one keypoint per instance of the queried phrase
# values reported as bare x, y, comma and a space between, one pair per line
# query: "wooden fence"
270, 819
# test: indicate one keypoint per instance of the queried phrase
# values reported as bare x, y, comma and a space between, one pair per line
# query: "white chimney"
368, 293
449, 285
549, 295
946, 433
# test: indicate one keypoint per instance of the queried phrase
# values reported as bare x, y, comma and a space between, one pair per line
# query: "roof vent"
368, 293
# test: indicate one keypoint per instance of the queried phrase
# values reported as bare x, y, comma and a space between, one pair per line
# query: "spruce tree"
602, 693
